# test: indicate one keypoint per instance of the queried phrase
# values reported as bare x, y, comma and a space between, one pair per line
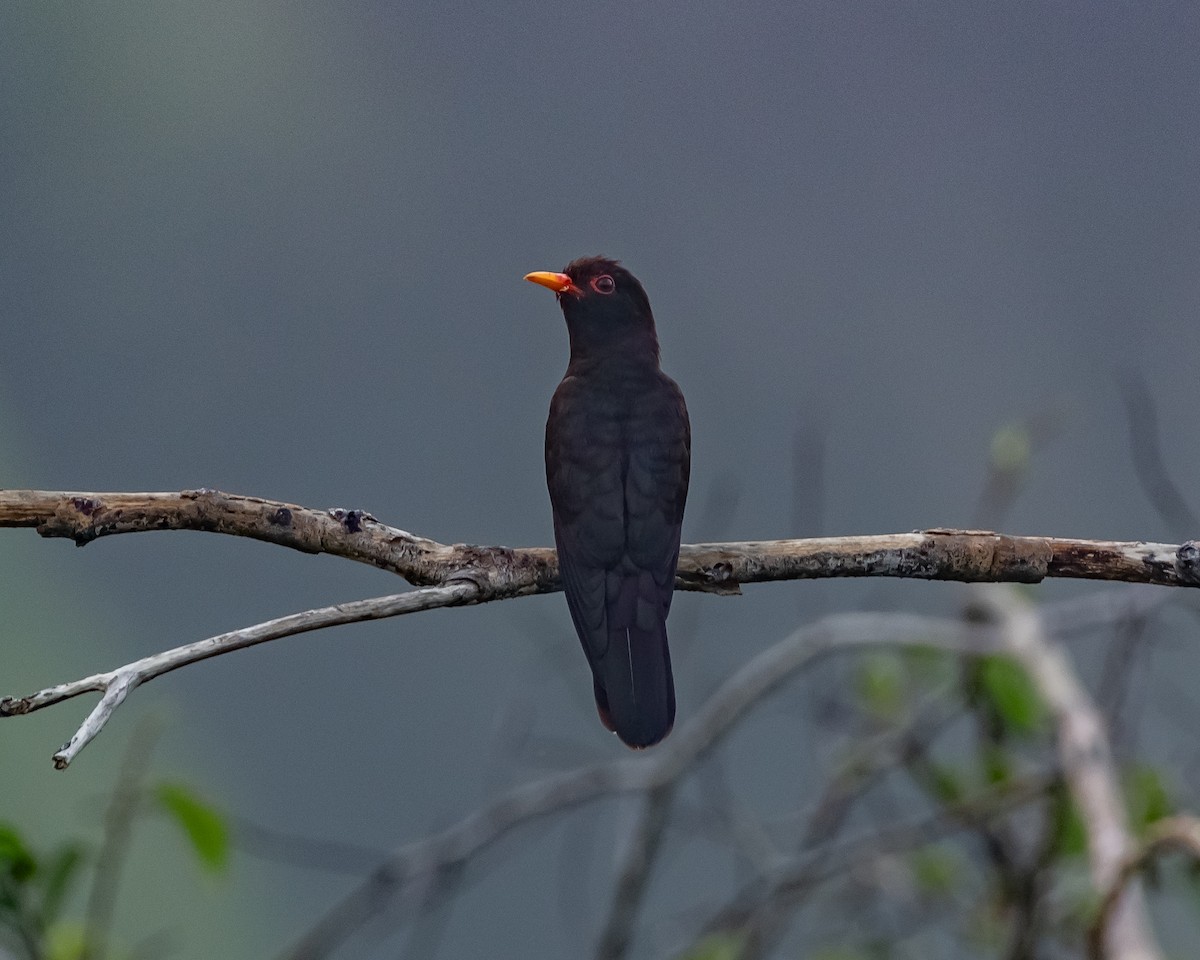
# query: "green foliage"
66, 941
203, 826
1011, 449
34, 885
1070, 830
886, 681
1146, 798
997, 764
936, 871
32, 890
929, 666
1012, 695
947, 783
881, 685
16, 860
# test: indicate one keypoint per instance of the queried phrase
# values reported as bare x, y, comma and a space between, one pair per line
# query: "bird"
618, 461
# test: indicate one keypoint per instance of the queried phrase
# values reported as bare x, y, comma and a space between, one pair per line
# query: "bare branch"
976, 556
117, 684
353, 534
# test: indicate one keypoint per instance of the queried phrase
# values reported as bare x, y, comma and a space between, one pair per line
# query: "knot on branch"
1187, 562
15, 706
982, 556
719, 578
501, 571
75, 518
351, 520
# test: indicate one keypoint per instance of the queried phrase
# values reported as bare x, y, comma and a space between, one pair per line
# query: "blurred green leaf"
1146, 798
65, 941
1012, 694
997, 764
946, 782
929, 665
881, 685
716, 946
205, 829
15, 858
935, 871
1011, 448
1070, 830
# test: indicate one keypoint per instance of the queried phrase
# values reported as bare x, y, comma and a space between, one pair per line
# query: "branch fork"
453, 575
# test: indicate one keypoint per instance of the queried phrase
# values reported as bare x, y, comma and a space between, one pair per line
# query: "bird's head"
604, 304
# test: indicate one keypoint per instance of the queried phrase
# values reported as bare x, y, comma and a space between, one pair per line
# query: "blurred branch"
644, 843
116, 685
118, 824
297, 850
974, 556
1148, 460
758, 913
417, 863
1087, 764
794, 880
1180, 833
1013, 449
761, 914
1128, 647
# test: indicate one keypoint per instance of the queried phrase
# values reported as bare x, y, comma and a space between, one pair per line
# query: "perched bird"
618, 453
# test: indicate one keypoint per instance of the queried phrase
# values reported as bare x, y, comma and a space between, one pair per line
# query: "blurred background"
277, 248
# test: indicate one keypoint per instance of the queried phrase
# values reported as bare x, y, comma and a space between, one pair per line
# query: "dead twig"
116, 685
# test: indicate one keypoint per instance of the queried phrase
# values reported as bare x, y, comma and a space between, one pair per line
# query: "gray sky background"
276, 248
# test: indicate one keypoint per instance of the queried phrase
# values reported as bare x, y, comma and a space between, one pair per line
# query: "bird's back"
617, 465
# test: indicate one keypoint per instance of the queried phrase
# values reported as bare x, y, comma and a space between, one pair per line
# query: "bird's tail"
635, 693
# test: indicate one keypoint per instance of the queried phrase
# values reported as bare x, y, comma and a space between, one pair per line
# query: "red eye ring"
604, 284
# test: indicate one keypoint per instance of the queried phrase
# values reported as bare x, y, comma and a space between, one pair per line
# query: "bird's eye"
604, 284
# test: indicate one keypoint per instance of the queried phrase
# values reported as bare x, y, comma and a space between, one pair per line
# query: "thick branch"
939, 554
353, 534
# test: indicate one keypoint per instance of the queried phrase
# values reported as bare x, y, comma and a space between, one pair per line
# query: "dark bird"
618, 453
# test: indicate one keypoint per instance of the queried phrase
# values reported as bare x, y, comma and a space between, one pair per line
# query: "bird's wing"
618, 485
656, 485
584, 471
618, 497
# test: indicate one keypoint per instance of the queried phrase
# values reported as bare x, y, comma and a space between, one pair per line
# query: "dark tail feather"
635, 694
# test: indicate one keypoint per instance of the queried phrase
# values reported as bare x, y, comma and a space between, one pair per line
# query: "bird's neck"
613, 349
